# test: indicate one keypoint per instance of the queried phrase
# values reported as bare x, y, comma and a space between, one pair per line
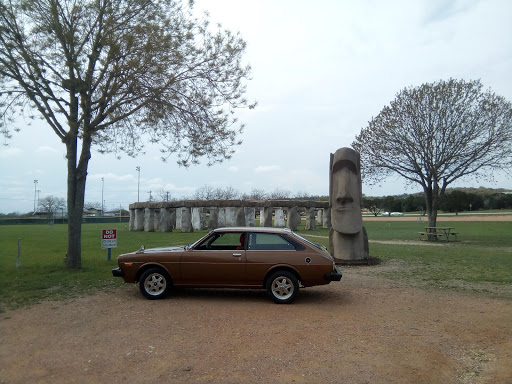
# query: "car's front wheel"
282, 286
154, 283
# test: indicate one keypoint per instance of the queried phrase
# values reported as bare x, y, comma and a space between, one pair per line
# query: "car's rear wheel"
154, 283
282, 286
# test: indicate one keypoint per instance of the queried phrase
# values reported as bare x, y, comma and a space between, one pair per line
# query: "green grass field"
482, 258
481, 261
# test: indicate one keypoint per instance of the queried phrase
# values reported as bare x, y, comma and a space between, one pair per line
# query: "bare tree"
255, 194
113, 75
163, 195
279, 194
204, 193
207, 192
50, 205
91, 205
437, 133
228, 193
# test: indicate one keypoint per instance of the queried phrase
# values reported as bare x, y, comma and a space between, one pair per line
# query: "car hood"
177, 248
148, 251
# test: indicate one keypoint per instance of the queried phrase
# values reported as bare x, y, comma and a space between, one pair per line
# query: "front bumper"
334, 275
116, 272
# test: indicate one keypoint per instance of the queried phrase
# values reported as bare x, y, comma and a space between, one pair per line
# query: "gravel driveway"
364, 329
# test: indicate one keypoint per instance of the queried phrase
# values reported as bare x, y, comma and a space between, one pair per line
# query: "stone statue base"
349, 248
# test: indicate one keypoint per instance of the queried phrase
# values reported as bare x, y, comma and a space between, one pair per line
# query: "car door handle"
237, 254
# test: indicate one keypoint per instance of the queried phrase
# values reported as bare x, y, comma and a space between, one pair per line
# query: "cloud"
441, 10
10, 152
267, 168
111, 177
46, 150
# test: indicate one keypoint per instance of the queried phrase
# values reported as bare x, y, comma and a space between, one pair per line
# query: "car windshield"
192, 245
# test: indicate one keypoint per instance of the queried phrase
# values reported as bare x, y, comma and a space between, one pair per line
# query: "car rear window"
268, 242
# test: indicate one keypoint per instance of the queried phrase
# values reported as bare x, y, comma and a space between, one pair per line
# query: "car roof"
253, 229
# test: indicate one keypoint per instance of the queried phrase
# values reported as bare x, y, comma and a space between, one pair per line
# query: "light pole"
35, 195
138, 183
102, 185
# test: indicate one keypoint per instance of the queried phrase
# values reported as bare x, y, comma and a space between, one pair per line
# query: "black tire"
154, 283
282, 286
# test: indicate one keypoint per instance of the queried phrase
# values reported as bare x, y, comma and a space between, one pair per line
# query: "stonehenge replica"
190, 215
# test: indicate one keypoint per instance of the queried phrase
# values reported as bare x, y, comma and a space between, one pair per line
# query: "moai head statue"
345, 192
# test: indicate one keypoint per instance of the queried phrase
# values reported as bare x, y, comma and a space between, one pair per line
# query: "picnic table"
438, 233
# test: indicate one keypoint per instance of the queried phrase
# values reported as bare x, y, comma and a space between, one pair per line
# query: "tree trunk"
432, 217
431, 203
77, 175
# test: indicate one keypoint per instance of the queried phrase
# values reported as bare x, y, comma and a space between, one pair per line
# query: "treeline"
455, 200
401, 203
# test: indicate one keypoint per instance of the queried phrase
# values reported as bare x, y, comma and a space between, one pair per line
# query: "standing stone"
293, 214
186, 220
250, 216
149, 220
327, 218
197, 218
222, 217
230, 217
213, 223
310, 220
267, 216
165, 220
132, 220
279, 218
240, 217
139, 219
320, 216
179, 213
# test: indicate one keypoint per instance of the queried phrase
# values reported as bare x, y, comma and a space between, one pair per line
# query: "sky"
320, 71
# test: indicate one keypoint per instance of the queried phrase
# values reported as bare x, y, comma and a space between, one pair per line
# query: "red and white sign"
109, 238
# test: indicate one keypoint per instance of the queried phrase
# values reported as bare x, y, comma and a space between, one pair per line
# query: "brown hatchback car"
274, 259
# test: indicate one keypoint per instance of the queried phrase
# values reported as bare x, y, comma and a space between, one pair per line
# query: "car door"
264, 251
219, 261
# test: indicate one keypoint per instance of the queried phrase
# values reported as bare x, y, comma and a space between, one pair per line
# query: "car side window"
223, 241
268, 242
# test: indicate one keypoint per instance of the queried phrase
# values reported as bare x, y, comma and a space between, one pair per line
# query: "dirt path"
365, 329
461, 217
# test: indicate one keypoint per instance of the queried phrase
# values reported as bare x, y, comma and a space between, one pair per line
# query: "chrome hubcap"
155, 284
282, 288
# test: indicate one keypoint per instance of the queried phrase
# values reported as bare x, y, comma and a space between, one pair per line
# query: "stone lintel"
230, 203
